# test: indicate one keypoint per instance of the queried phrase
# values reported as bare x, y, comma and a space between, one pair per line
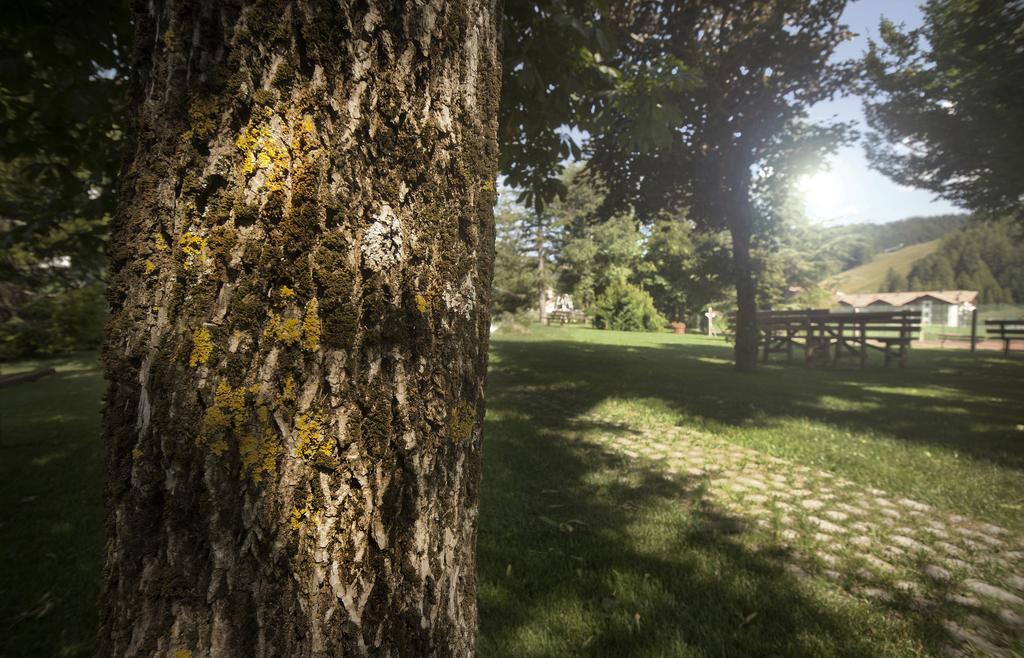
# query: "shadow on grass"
965, 402
584, 552
51, 512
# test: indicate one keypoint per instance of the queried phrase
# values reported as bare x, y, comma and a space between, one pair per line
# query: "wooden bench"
564, 316
1006, 331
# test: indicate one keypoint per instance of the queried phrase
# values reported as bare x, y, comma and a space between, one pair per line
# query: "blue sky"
850, 191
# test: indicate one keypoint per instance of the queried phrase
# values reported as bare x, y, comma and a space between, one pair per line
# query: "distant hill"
858, 244
870, 276
904, 232
987, 256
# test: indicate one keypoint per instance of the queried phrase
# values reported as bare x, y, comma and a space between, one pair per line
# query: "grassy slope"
646, 570
870, 276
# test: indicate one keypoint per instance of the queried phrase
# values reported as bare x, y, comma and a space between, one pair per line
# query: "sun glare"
824, 195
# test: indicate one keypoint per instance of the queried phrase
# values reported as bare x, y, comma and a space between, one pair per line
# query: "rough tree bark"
301, 267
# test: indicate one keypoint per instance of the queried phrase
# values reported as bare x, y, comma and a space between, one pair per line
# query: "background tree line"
625, 265
631, 261
645, 106
857, 244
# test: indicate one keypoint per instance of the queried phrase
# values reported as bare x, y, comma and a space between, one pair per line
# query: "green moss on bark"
338, 308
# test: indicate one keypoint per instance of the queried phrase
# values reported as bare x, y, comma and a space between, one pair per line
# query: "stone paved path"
868, 542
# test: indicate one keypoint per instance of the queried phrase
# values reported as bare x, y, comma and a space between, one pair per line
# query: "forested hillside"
983, 256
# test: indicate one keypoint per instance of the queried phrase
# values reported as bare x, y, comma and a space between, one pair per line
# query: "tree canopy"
553, 68
945, 104
61, 105
62, 96
709, 116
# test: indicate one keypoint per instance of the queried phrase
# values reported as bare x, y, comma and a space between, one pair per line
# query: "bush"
513, 323
624, 307
55, 323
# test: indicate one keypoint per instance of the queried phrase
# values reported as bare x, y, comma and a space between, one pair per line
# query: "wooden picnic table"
828, 337
779, 330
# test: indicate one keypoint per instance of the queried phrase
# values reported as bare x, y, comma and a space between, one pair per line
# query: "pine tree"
894, 281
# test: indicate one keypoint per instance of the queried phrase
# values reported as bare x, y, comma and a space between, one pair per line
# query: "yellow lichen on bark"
259, 453
307, 512
287, 392
231, 417
298, 515
315, 445
310, 429
192, 246
304, 139
287, 331
461, 421
158, 241
202, 347
228, 410
261, 151
421, 303
311, 327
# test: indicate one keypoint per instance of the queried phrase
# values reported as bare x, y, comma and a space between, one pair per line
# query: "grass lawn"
51, 509
583, 550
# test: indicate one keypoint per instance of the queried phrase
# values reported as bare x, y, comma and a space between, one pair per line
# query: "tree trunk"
541, 287
301, 270
745, 349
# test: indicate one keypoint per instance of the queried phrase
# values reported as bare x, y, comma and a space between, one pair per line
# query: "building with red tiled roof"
949, 308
